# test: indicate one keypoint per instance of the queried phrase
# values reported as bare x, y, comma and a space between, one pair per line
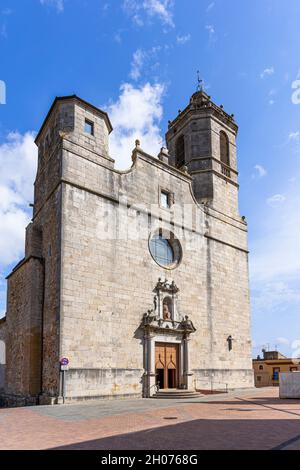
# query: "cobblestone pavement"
253, 419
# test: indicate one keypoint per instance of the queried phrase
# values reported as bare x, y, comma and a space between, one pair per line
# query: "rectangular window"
89, 127
293, 369
165, 199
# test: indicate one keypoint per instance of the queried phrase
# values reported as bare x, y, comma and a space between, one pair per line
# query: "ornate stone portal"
164, 325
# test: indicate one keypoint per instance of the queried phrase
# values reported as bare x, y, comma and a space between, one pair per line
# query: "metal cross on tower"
200, 85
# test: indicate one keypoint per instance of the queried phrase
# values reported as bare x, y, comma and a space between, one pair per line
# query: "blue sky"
140, 58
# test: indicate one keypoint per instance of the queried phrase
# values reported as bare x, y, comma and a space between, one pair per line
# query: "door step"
176, 394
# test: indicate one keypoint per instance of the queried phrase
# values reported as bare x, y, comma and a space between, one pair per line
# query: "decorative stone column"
188, 377
149, 365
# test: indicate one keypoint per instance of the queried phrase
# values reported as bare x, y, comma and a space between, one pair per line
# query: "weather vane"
200, 82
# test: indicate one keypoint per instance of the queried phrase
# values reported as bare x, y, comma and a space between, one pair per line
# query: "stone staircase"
176, 393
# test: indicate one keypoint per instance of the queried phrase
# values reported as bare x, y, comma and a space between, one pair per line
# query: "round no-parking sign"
64, 361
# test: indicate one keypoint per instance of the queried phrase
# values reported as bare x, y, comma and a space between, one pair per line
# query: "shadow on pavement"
202, 434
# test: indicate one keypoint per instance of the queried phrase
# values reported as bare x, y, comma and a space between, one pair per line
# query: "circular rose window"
165, 249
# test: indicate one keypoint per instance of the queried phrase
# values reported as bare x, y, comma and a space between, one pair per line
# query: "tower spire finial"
200, 82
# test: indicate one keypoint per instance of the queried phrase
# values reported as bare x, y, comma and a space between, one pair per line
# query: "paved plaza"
253, 419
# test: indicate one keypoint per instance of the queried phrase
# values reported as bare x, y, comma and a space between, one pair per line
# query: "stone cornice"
140, 154
209, 157
217, 173
223, 242
203, 105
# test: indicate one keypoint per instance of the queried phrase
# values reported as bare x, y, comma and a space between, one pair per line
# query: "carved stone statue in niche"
166, 309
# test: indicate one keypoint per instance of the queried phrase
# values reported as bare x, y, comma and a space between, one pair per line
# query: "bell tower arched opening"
180, 152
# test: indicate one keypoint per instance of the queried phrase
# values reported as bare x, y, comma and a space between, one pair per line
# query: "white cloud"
210, 28
275, 296
211, 32
58, 4
3, 31
275, 256
260, 171
105, 7
144, 59
138, 20
267, 72
18, 157
294, 135
275, 259
210, 6
272, 94
144, 106
183, 39
13, 225
137, 64
282, 340
276, 199
161, 9
118, 37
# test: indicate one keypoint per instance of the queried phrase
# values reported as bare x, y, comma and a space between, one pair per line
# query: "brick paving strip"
256, 419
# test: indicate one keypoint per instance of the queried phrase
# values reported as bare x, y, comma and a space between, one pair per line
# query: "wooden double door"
166, 365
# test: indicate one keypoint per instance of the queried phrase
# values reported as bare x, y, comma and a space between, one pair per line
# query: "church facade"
140, 277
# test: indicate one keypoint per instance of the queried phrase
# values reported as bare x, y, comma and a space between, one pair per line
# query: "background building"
267, 369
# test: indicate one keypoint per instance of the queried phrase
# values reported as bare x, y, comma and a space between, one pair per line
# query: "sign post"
64, 366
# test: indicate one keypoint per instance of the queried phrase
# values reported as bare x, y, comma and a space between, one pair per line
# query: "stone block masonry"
91, 289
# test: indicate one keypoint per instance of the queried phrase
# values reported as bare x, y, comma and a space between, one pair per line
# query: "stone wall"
91, 384
2, 352
107, 282
49, 221
24, 328
33, 309
222, 379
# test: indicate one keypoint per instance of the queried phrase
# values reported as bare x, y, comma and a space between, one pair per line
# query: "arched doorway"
166, 365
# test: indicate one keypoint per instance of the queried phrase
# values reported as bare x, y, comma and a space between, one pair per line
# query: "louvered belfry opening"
224, 148
180, 152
